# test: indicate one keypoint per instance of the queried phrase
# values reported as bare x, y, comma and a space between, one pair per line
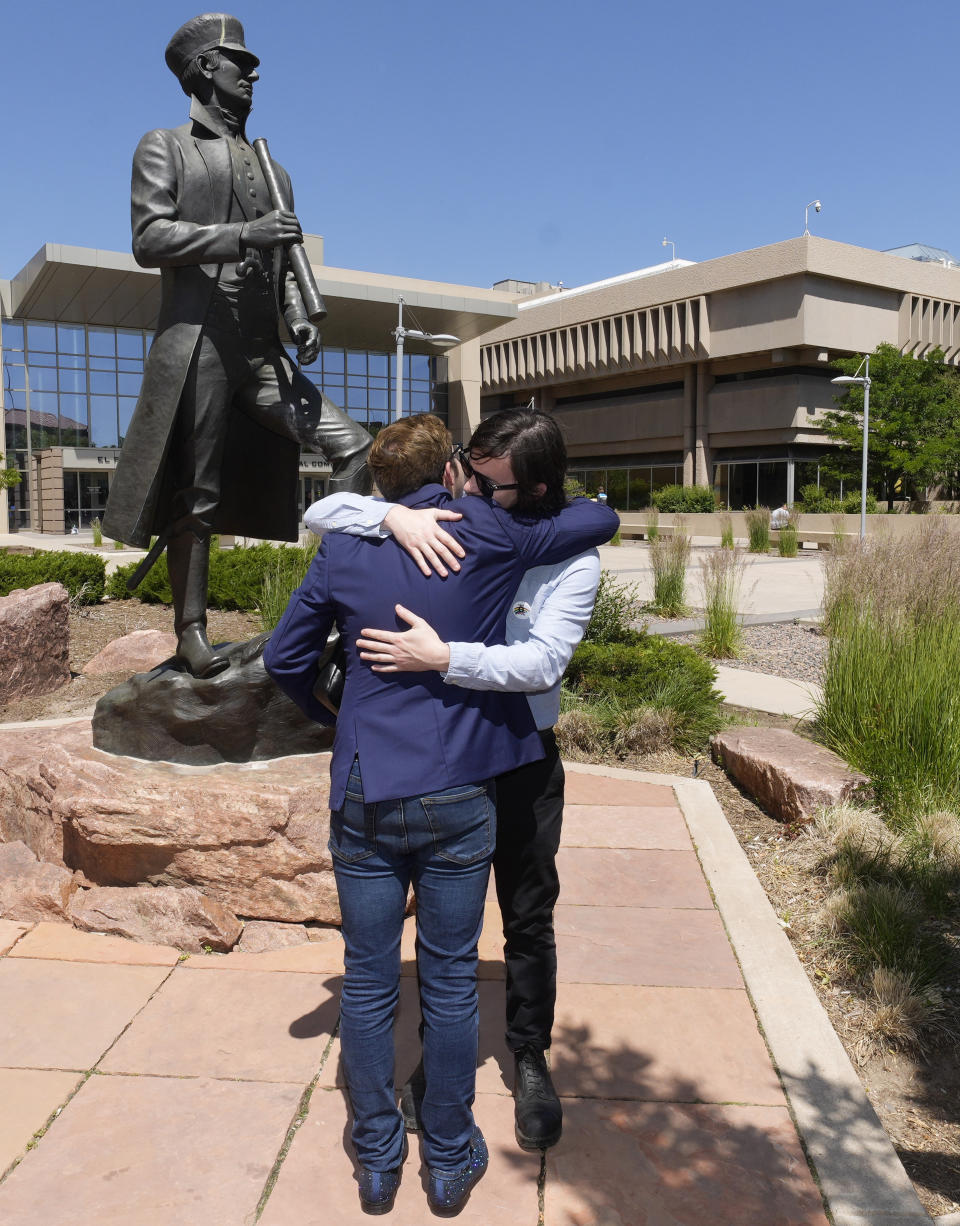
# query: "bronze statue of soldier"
214, 442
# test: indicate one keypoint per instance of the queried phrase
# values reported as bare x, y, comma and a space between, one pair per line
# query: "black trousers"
529, 818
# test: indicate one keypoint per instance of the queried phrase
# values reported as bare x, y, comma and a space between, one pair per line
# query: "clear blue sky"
538, 139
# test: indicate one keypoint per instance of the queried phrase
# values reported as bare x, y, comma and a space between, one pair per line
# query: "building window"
364, 383
76, 385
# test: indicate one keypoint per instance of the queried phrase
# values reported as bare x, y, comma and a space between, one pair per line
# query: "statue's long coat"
180, 207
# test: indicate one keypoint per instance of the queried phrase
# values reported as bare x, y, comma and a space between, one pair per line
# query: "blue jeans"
443, 844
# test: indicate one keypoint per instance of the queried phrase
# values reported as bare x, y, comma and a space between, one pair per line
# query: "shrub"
850, 503
238, 577
817, 501
669, 558
651, 674
684, 499
758, 529
617, 605
82, 574
154, 588
721, 575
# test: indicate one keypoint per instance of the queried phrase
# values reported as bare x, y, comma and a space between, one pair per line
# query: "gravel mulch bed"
784, 649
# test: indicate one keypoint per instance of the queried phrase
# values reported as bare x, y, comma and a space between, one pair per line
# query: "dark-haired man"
214, 442
410, 794
517, 459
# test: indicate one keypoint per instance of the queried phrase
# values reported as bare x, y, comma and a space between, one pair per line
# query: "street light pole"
864, 382
398, 390
442, 340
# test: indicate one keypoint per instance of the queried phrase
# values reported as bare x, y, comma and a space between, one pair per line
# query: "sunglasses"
484, 484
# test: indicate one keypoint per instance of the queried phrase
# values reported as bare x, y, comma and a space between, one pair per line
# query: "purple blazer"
412, 733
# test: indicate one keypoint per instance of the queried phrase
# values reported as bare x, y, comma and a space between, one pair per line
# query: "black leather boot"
188, 565
537, 1112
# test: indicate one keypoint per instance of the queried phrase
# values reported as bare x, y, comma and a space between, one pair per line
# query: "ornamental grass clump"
758, 529
669, 558
890, 704
726, 532
892, 914
788, 538
721, 577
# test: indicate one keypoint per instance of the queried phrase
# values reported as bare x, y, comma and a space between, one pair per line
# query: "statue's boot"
350, 473
188, 563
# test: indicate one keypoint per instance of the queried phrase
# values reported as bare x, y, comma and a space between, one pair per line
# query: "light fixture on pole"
864, 382
442, 340
673, 248
814, 204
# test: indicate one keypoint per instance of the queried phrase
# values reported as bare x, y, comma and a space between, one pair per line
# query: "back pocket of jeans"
464, 823
348, 841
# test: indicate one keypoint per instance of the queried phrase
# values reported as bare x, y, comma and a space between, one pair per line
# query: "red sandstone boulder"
137, 652
156, 915
260, 936
34, 641
253, 837
789, 776
30, 890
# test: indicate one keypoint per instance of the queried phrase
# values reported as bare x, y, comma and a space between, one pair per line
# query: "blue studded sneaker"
448, 1193
378, 1189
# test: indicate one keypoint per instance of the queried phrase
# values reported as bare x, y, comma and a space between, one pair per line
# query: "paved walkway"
142, 1089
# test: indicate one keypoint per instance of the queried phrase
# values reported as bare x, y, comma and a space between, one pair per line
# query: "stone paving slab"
153, 1151
666, 947
674, 1044
66, 1014
649, 827
29, 1097
316, 957
11, 931
257, 1025
317, 1186
659, 1164
582, 788
494, 1060
64, 943
624, 877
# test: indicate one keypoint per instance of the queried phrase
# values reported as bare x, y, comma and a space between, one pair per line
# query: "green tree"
8, 476
914, 423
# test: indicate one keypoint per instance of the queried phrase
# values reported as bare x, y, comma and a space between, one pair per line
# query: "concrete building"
75, 328
714, 373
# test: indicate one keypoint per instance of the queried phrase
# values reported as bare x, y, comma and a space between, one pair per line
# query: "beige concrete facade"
108, 289
725, 360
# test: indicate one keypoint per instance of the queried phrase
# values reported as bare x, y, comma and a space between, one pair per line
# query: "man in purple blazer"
411, 792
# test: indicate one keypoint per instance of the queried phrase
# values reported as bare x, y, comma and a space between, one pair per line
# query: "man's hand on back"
404, 651
420, 534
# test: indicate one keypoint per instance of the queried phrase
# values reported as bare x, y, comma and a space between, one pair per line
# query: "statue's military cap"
207, 32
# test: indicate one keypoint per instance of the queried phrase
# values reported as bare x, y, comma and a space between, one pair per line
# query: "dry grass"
644, 730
